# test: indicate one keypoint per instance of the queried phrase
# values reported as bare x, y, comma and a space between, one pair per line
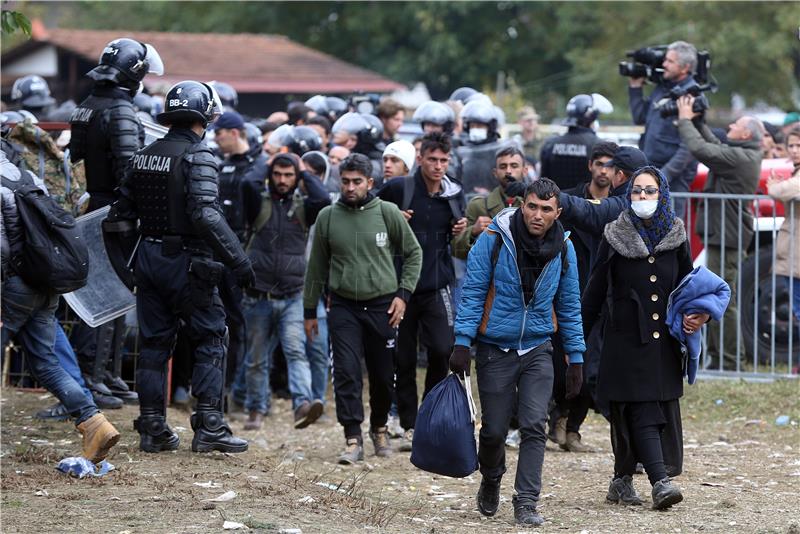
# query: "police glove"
574, 380
515, 188
245, 275
460, 359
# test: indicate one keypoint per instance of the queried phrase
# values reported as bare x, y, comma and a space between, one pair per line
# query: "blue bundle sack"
444, 435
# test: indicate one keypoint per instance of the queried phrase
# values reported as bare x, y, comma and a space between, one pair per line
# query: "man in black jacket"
434, 205
273, 307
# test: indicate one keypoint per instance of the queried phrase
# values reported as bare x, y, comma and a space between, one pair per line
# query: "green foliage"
552, 50
13, 21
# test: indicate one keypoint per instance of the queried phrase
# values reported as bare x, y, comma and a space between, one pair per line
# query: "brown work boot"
353, 453
561, 432
380, 440
307, 413
254, 421
574, 443
98, 437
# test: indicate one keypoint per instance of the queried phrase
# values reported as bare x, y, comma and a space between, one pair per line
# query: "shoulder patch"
593, 200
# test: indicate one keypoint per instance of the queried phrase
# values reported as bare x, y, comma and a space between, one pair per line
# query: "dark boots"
212, 433
155, 434
119, 388
621, 491
488, 497
665, 494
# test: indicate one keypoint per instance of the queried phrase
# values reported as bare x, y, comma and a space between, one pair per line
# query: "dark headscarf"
662, 220
533, 253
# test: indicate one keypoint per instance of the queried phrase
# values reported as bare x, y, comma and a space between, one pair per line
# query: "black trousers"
166, 294
576, 408
428, 320
360, 329
231, 295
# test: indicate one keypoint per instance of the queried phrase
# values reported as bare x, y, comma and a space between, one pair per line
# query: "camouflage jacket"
65, 181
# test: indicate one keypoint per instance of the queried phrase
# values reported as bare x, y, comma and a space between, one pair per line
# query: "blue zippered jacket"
492, 308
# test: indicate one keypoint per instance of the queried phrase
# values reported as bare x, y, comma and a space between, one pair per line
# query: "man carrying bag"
517, 293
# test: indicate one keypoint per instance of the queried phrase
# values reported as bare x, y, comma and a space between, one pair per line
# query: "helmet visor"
156, 66
602, 104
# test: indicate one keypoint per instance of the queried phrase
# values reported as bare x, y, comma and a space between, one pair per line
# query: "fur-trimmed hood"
626, 241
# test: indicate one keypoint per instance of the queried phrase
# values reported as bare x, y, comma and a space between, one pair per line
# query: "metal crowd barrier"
767, 331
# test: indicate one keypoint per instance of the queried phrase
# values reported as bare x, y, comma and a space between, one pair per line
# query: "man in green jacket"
353, 252
510, 169
733, 168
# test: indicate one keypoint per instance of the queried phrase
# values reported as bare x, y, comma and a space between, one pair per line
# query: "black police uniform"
171, 187
105, 134
565, 159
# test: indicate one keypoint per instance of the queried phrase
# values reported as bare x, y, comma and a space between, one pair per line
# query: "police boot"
212, 433
155, 435
119, 388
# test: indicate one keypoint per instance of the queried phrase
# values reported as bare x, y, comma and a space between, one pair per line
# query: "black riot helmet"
433, 112
254, 137
479, 111
227, 94
582, 110
462, 94
32, 92
125, 62
336, 107
372, 135
190, 101
319, 104
304, 139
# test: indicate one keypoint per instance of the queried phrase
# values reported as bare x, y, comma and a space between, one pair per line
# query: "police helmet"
435, 113
227, 94
190, 101
304, 139
8, 117
462, 94
373, 133
319, 104
253, 135
281, 135
479, 111
582, 110
336, 107
483, 97
126, 62
351, 122
32, 92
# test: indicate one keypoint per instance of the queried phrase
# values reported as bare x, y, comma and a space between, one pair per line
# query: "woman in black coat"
643, 256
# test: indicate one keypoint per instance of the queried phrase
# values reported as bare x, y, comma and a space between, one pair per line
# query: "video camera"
668, 106
646, 63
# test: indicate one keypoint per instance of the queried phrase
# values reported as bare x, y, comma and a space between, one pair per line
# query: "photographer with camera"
661, 143
734, 168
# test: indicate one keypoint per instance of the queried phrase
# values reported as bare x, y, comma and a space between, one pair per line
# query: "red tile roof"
251, 63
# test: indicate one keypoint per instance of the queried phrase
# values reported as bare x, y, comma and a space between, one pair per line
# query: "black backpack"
53, 256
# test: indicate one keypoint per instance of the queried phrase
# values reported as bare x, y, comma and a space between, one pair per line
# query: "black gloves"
245, 275
459, 360
574, 380
515, 188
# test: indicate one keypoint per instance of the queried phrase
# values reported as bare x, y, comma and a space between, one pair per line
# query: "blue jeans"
68, 360
30, 316
269, 322
319, 355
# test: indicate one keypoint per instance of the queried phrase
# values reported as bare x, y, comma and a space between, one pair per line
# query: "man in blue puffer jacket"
517, 293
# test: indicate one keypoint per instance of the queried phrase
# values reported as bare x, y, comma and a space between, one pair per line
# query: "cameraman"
734, 168
661, 143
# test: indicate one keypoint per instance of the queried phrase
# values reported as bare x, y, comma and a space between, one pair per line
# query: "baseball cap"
229, 120
628, 159
791, 118
403, 150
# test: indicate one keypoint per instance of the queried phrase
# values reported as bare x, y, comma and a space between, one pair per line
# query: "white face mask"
476, 135
644, 209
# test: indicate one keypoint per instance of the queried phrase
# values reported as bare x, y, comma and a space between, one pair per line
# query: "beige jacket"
787, 263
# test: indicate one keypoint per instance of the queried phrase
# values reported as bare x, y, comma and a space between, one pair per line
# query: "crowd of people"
318, 245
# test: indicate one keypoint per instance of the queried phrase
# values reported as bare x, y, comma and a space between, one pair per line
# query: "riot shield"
477, 163
153, 131
104, 297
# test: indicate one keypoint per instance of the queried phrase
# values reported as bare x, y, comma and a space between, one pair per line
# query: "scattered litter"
209, 506
41, 442
290, 531
752, 422
78, 466
782, 420
719, 402
713, 484
42, 493
179, 428
333, 487
308, 499
233, 525
225, 497
208, 484
252, 477
45, 396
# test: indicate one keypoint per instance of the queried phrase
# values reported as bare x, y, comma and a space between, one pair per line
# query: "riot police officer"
565, 159
367, 129
105, 134
171, 187
32, 93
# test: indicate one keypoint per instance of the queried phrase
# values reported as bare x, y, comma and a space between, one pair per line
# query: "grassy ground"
741, 474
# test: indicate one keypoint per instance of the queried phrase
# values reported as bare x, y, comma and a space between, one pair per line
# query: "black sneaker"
56, 412
621, 491
665, 494
488, 497
527, 516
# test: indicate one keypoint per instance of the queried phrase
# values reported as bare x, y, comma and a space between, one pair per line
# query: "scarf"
659, 225
533, 253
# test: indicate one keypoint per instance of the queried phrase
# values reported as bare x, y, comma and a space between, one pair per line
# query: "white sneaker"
395, 430
513, 439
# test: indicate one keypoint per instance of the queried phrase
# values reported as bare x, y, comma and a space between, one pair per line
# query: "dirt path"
739, 476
